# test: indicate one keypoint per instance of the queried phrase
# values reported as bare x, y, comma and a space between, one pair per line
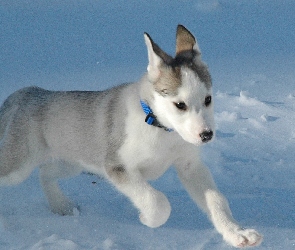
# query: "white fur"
65, 133
197, 118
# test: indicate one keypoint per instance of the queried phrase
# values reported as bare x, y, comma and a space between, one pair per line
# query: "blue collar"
151, 118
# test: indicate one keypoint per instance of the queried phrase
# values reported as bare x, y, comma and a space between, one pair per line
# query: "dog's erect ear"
157, 58
185, 41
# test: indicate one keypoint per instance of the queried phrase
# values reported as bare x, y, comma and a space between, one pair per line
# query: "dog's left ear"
185, 41
157, 58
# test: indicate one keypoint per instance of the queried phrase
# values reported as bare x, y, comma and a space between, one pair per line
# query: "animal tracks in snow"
269, 118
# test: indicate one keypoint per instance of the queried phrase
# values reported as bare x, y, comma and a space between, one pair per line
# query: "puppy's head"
182, 93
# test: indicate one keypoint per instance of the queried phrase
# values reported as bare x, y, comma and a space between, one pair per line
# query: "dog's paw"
243, 238
156, 212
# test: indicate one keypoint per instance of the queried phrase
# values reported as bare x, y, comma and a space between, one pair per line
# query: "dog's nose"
206, 135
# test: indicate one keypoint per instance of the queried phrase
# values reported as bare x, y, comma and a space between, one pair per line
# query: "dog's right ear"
157, 58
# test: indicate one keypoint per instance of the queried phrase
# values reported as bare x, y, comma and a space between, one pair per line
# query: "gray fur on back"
63, 124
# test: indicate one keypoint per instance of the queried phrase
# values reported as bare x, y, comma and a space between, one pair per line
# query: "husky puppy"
129, 134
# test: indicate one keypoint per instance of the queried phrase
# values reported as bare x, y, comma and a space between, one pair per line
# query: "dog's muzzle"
206, 136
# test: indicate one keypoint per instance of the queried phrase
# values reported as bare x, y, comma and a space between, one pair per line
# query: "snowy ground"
249, 47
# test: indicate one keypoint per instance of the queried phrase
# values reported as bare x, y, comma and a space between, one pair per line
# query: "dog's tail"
14, 103
7, 111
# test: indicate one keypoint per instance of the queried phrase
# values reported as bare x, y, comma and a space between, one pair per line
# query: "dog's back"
37, 125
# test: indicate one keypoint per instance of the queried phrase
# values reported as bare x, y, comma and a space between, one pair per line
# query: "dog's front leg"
153, 205
200, 185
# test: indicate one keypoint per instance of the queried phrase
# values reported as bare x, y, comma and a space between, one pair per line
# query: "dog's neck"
151, 118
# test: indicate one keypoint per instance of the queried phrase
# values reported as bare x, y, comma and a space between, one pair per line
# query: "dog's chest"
152, 169
151, 157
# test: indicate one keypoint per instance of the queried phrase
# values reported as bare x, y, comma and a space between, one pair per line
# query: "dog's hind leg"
49, 175
200, 185
153, 205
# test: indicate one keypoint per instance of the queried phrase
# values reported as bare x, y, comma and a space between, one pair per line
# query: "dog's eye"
180, 105
207, 100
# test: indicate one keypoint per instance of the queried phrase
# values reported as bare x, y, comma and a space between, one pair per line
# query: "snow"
88, 45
